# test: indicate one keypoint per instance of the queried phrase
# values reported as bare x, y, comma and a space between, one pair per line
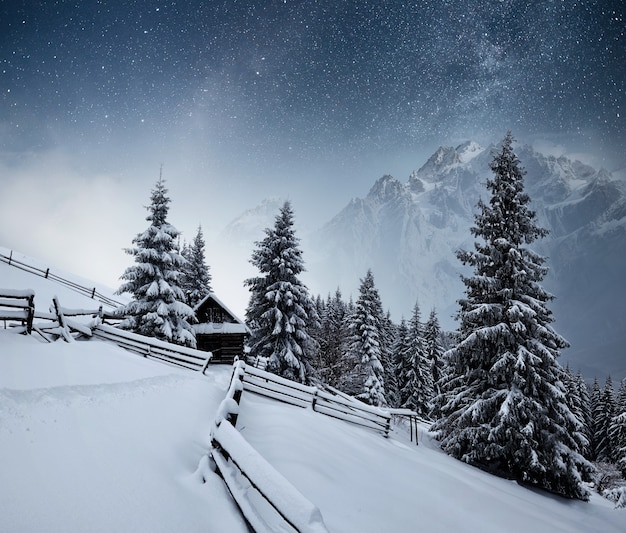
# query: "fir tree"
364, 377
434, 349
603, 412
575, 402
418, 387
281, 311
332, 339
388, 339
402, 357
596, 392
506, 409
158, 308
617, 430
585, 406
197, 278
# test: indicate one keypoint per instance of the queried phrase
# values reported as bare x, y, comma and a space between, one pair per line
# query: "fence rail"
278, 505
336, 406
18, 305
154, 349
90, 292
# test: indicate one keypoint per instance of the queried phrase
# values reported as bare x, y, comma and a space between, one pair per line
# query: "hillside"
96, 439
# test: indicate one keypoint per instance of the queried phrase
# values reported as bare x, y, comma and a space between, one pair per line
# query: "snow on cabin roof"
219, 302
212, 328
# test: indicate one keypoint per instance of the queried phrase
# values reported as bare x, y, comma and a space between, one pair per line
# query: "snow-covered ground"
93, 438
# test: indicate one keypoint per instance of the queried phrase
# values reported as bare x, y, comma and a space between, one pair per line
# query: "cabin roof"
237, 326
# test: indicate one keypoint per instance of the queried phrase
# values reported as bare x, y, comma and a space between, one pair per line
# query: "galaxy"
242, 100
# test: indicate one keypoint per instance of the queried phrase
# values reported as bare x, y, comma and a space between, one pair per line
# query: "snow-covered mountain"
408, 234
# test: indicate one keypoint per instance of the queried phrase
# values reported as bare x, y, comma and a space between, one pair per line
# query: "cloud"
76, 220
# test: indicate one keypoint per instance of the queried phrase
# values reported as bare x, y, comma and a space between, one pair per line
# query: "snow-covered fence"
151, 348
243, 469
337, 406
18, 306
267, 500
412, 417
59, 324
90, 292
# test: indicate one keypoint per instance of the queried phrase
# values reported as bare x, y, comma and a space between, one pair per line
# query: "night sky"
302, 99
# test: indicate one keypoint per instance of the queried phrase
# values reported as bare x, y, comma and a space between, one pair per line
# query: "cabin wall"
225, 347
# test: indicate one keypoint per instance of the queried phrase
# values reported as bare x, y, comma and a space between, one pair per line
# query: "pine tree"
389, 332
434, 349
617, 430
506, 409
418, 387
596, 393
280, 311
585, 405
332, 339
575, 402
402, 364
158, 308
603, 412
197, 278
364, 377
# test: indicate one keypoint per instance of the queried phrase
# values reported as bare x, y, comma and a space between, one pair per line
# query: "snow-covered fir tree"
617, 430
280, 311
585, 403
197, 278
417, 389
332, 338
578, 402
159, 307
603, 410
505, 408
389, 332
363, 376
434, 349
402, 358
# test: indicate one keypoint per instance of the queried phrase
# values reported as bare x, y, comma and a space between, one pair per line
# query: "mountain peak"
468, 151
386, 187
446, 158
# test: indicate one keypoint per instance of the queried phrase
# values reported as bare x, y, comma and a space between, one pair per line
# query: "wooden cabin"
219, 330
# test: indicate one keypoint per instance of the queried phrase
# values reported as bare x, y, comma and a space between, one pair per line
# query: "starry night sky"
310, 74
274, 96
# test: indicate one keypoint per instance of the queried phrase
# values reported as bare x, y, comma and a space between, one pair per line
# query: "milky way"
310, 75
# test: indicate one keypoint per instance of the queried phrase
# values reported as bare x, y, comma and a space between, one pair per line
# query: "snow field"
94, 438
363, 482
119, 455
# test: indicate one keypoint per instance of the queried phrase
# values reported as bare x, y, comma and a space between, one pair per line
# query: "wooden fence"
90, 292
275, 504
337, 406
152, 348
18, 306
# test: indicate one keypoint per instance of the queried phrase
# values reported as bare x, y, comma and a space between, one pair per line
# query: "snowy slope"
93, 438
46, 289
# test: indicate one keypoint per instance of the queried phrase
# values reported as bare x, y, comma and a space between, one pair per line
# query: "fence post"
10, 257
47, 272
314, 399
31, 314
93, 293
388, 427
65, 332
